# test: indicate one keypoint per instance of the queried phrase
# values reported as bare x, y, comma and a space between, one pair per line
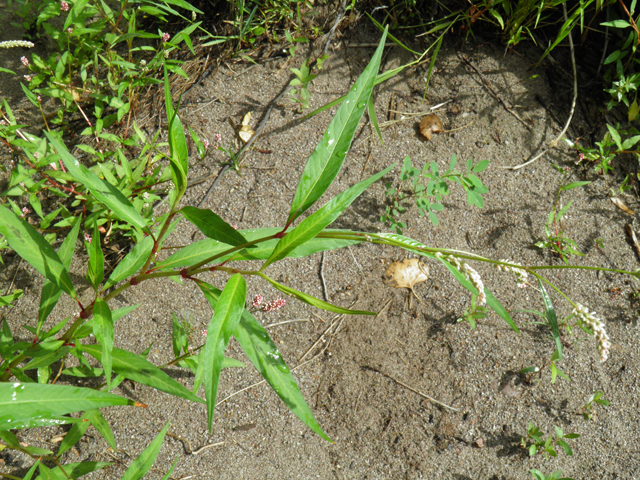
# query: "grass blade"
95, 272
33, 248
140, 370
102, 190
141, 465
326, 160
228, 309
551, 317
72, 470
315, 223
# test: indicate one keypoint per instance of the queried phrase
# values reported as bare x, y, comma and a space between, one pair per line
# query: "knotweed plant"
25, 403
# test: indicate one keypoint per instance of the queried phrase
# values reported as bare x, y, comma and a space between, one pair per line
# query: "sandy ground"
380, 428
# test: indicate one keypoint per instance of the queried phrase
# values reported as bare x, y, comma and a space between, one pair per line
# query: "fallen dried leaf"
620, 204
246, 132
429, 125
406, 274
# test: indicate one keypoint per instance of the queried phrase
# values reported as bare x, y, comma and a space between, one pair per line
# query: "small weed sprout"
546, 446
556, 240
428, 187
538, 475
588, 409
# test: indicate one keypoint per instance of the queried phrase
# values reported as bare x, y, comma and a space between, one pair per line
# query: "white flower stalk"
16, 43
597, 325
522, 276
469, 273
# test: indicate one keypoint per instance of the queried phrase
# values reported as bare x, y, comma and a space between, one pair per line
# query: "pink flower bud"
24, 61
64, 6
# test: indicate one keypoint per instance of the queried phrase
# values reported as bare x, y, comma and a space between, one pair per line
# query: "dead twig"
427, 397
324, 284
187, 444
634, 240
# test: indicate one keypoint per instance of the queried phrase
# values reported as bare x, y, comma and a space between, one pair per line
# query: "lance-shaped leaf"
102, 190
264, 355
71, 470
228, 310
199, 251
179, 160
140, 370
213, 226
33, 248
141, 465
50, 291
315, 223
103, 331
551, 316
316, 302
131, 263
96, 419
95, 271
26, 401
327, 159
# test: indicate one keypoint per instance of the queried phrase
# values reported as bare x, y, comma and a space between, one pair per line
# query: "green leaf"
572, 185
32, 470
131, 263
48, 358
264, 355
179, 159
50, 291
228, 310
213, 226
102, 190
95, 271
616, 24
26, 401
316, 302
103, 331
33, 248
141, 465
73, 470
74, 435
199, 251
97, 420
326, 160
179, 339
551, 317
615, 136
481, 166
140, 370
315, 223
7, 299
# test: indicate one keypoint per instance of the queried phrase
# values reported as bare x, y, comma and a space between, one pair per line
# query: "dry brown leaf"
246, 132
620, 204
406, 274
429, 125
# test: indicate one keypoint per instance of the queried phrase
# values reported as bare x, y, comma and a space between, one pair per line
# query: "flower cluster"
165, 37
268, 306
469, 273
64, 6
16, 43
597, 325
521, 274
25, 61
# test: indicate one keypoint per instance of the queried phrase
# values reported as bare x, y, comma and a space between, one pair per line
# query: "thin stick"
288, 321
554, 143
324, 285
427, 397
187, 444
494, 94
335, 25
634, 240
